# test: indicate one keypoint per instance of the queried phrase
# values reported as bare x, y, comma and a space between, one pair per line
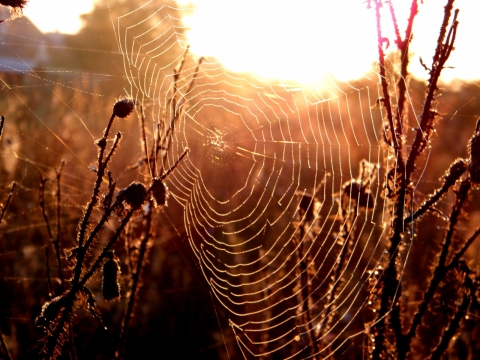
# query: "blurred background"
270, 70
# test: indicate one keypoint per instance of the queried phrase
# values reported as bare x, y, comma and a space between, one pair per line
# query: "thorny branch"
428, 117
391, 286
440, 269
135, 279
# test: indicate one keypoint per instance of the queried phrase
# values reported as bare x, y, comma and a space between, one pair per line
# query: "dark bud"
101, 142
123, 107
159, 192
456, 170
134, 195
111, 271
50, 311
306, 206
18, 4
474, 152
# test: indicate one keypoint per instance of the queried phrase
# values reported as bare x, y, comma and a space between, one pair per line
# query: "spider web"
266, 200
262, 191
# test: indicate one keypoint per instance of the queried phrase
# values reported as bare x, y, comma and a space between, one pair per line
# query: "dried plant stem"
49, 277
452, 329
456, 170
346, 235
41, 201
54, 240
389, 281
441, 56
135, 281
3, 208
458, 256
306, 290
2, 122
176, 109
440, 270
55, 339
169, 171
4, 347
403, 46
382, 73
98, 262
102, 143
102, 165
56, 243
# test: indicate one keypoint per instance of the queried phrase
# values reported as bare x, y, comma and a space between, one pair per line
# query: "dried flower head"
134, 195
18, 4
111, 271
50, 311
123, 107
159, 192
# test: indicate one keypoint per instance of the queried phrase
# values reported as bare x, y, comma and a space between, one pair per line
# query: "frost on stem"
50, 311
474, 152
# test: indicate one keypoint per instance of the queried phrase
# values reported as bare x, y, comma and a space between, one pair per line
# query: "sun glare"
303, 41
57, 15
307, 40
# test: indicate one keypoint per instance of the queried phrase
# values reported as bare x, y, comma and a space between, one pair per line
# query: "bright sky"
58, 15
301, 40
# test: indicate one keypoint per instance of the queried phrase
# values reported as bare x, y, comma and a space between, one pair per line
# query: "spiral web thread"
269, 190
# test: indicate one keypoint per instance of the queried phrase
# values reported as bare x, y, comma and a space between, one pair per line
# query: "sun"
307, 40
302, 41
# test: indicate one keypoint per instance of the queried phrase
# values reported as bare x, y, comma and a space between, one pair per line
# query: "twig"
56, 243
389, 280
167, 139
2, 121
382, 73
441, 56
403, 46
464, 248
347, 237
440, 269
102, 165
452, 329
456, 170
4, 345
306, 289
135, 278
185, 152
3, 208
49, 277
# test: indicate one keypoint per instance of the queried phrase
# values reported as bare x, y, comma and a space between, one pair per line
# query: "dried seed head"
50, 311
123, 107
111, 271
159, 192
134, 195
19, 4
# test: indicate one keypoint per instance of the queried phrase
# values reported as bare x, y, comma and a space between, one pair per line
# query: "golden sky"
301, 40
